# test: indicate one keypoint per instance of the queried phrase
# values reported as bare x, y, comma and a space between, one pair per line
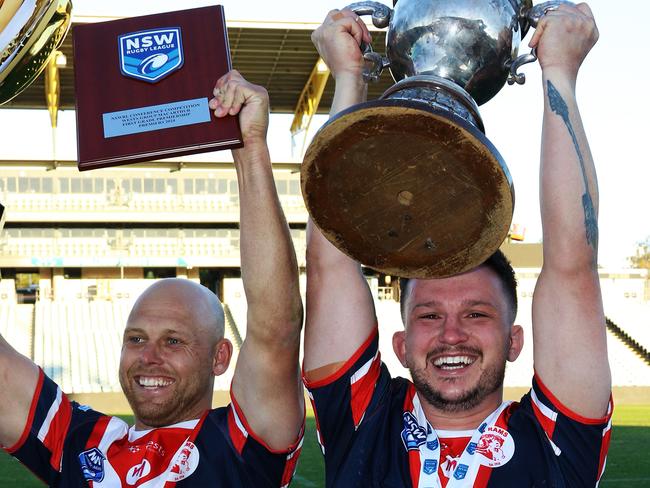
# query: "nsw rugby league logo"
152, 54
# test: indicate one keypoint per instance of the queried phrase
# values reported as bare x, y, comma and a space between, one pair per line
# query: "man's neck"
188, 423
194, 414
441, 419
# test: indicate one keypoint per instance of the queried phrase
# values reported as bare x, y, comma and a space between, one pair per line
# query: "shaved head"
191, 301
173, 347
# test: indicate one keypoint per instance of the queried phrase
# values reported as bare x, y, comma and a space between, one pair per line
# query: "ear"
399, 346
516, 342
222, 355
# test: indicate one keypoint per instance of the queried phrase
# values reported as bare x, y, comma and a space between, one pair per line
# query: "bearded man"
173, 348
450, 427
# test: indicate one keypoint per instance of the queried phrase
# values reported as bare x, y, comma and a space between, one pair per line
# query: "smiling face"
457, 338
173, 347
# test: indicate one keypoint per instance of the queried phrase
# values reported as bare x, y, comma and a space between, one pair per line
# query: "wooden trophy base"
407, 189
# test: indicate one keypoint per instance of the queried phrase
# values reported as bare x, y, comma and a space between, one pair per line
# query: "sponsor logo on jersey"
495, 447
471, 447
152, 54
433, 445
449, 465
413, 435
185, 463
461, 471
138, 471
92, 464
83, 408
430, 466
155, 447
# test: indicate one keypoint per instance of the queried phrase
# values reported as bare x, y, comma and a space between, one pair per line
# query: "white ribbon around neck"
469, 462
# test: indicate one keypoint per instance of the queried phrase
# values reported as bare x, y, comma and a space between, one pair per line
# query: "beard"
178, 405
491, 380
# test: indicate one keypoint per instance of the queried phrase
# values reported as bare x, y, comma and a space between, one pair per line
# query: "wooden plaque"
142, 85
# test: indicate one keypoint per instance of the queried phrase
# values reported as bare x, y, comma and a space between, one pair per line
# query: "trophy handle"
375, 63
531, 17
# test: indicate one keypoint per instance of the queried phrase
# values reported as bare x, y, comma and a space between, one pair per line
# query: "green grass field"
628, 464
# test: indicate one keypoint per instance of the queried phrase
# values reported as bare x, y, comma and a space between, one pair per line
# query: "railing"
232, 325
218, 248
630, 341
157, 207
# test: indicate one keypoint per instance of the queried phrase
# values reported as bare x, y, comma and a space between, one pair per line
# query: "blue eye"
431, 316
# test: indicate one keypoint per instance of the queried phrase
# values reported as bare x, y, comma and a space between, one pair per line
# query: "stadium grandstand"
78, 248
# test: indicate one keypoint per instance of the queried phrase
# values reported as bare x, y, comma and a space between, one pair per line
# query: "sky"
612, 95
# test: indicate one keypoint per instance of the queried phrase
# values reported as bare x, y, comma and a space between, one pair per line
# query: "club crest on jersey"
413, 435
92, 464
495, 447
185, 462
152, 54
430, 466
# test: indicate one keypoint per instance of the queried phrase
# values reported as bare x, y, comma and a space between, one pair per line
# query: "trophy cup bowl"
409, 184
30, 32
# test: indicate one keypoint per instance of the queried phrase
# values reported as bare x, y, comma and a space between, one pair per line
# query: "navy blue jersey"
69, 445
369, 436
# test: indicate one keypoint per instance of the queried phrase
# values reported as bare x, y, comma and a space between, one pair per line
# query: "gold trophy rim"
26, 55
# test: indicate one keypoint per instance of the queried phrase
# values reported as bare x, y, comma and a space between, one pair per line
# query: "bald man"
173, 348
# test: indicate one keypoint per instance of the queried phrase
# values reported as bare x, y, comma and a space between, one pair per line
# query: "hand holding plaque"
409, 184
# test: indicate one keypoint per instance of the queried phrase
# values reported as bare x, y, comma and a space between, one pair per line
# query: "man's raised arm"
570, 344
340, 311
267, 384
18, 379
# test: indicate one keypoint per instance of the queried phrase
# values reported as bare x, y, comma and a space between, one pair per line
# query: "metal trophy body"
408, 184
30, 32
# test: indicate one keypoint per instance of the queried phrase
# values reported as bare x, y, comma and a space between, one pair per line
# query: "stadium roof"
279, 57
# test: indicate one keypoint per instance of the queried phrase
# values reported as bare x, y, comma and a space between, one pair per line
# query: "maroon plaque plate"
142, 85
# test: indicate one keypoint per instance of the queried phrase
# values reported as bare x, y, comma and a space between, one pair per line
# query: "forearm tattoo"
559, 106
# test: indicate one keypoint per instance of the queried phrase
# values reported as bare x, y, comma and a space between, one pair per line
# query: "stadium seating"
631, 316
16, 326
628, 369
216, 197
7, 291
77, 341
390, 321
211, 247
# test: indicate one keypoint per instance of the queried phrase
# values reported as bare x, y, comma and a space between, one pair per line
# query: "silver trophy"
409, 184
30, 33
